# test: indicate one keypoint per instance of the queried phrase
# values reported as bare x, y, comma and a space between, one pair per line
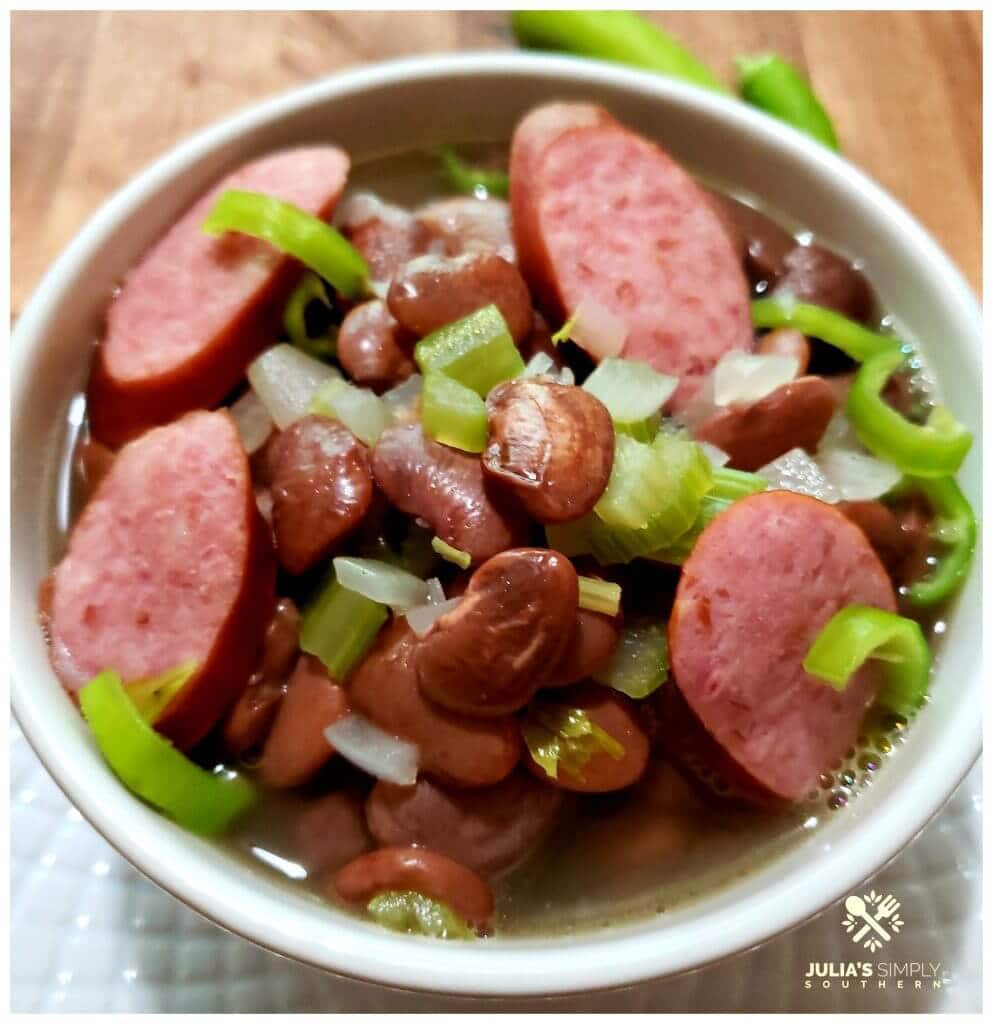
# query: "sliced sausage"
814, 274
591, 645
330, 832
785, 341
613, 219
196, 310
551, 444
762, 580
410, 868
296, 749
489, 654
447, 489
388, 236
431, 292
491, 829
467, 224
169, 562
454, 748
899, 535
795, 415
321, 489
373, 348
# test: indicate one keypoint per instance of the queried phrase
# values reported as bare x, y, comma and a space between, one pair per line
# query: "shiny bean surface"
899, 535
465, 224
551, 444
814, 274
389, 240
591, 645
331, 831
763, 244
489, 654
372, 347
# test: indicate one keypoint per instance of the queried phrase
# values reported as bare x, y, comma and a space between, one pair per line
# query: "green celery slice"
559, 736
599, 596
415, 914
640, 664
451, 554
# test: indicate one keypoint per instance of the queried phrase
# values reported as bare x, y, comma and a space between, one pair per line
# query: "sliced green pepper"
472, 181
152, 768
933, 449
310, 289
857, 633
452, 413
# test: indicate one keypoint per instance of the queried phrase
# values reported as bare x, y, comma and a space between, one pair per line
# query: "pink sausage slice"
610, 217
197, 309
761, 582
170, 561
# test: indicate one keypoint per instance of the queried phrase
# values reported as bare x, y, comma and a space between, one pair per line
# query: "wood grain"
95, 96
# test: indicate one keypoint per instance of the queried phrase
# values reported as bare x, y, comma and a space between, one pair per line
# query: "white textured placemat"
88, 933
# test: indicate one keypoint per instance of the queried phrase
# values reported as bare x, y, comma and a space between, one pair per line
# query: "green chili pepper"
771, 84
851, 338
152, 768
619, 36
956, 528
933, 449
859, 632
480, 182
294, 231
310, 289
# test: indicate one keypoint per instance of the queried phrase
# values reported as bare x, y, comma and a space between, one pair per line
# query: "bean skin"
420, 870
763, 244
551, 444
427, 294
465, 225
814, 274
795, 415
898, 535
786, 342
372, 347
330, 832
446, 488
489, 654
454, 748
321, 489
391, 241
591, 645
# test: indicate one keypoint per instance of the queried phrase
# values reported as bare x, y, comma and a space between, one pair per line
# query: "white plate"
91, 934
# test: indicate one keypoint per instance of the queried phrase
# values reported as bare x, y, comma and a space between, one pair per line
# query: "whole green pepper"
619, 36
771, 84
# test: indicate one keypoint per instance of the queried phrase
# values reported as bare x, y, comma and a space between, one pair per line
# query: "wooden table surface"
96, 96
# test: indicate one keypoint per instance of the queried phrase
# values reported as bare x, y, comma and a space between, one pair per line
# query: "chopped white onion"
363, 207
717, 456
631, 390
285, 380
597, 330
566, 376
359, 409
379, 289
797, 471
436, 592
700, 407
376, 752
424, 616
840, 433
857, 476
402, 401
745, 377
252, 420
539, 365
381, 582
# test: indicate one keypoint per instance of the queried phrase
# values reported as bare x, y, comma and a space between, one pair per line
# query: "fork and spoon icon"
887, 907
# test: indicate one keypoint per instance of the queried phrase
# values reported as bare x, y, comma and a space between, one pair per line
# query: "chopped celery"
339, 626
564, 333
153, 769
453, 414
310, 289
633, 393
641, 430
640, 663
477, 351
562, 736
294, 231
415, 914
859, 632
361, 410
460, 558
480, 182
599, 595
153, 694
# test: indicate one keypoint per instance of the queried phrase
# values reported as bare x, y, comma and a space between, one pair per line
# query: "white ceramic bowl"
414, 103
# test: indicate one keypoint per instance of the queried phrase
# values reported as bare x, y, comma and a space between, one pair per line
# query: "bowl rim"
349, 947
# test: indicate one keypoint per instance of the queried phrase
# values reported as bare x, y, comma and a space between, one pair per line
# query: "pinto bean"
551, 444
447, 489
814, 274
373, 348
591, 645
388, 237
898, 535
321, 489
411, 868
296, 748
490, 653
465, 224
763, 244
427, 294
786, 342
795, 415
491, 829
248, 722
454, 748
331, 831
616, 715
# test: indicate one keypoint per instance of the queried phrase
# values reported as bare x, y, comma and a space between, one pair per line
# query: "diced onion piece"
460, 558
840, 433
424, 616
374, 751
403, 401
797, 471
632, 391
381, 582
539, 365
252, 420
595, 329
856, 476
566, 376
716, 456
640, 662
599, 595
741, 378
436, 592
359, 409
700, 407
285, 380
